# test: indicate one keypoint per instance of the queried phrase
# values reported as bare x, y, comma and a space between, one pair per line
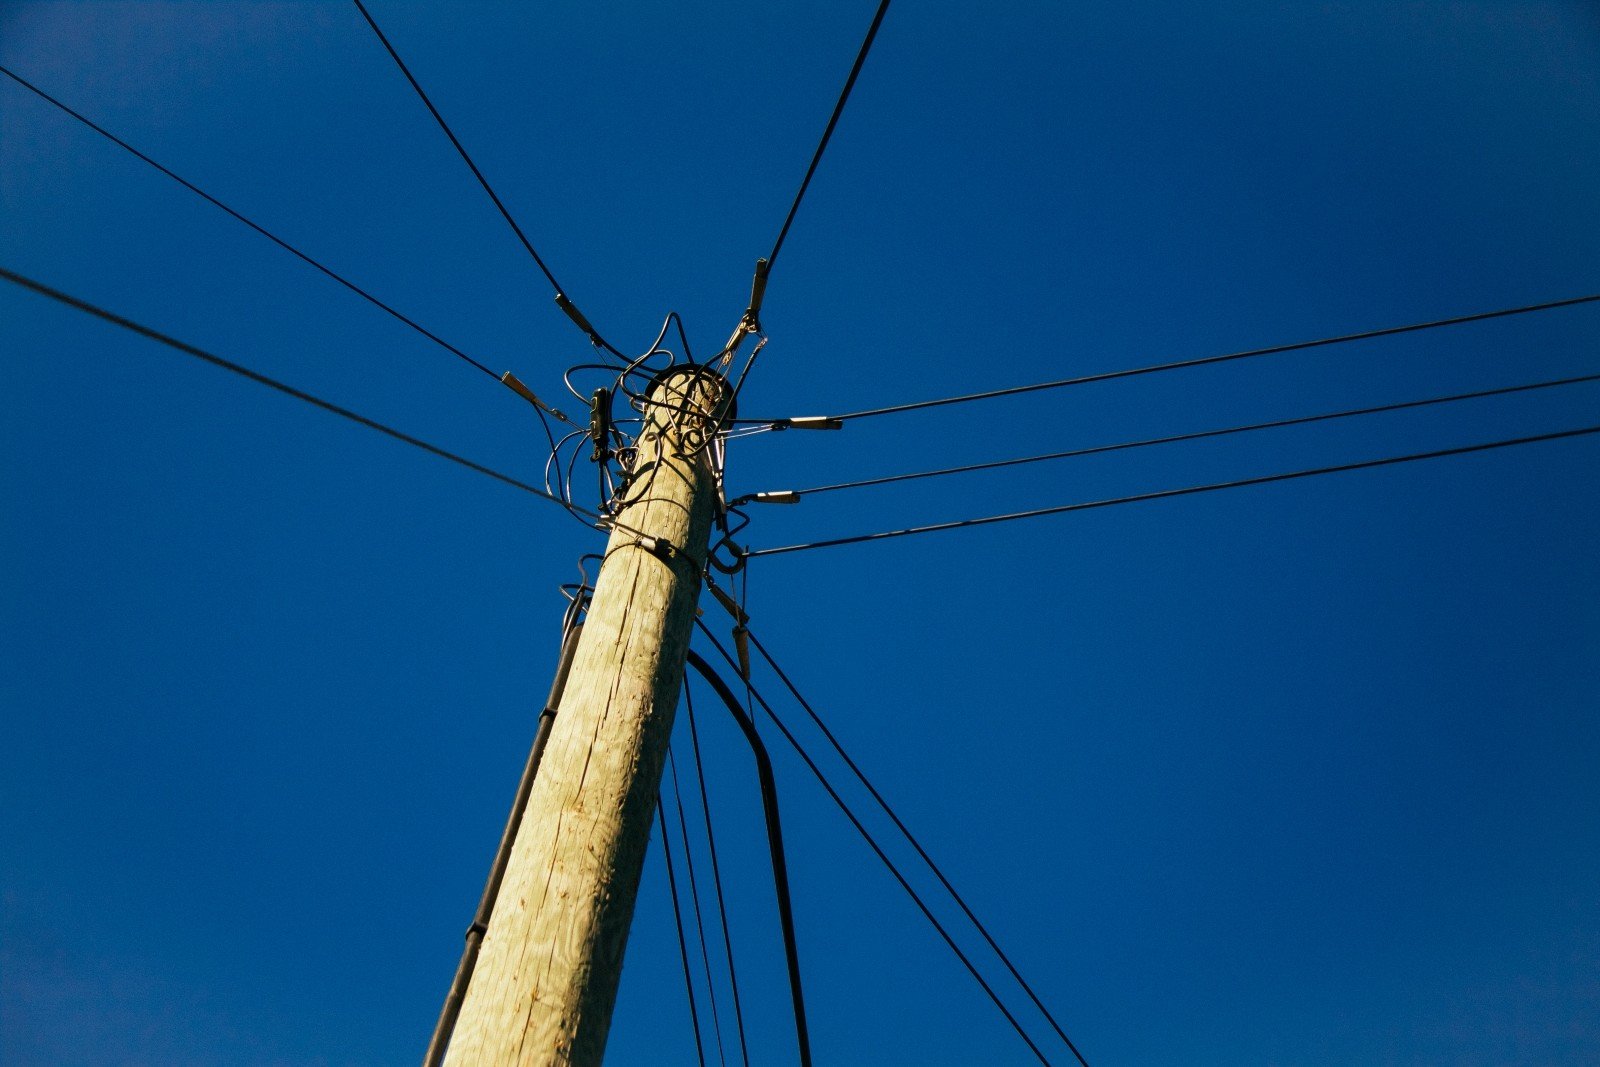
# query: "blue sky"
1296, 774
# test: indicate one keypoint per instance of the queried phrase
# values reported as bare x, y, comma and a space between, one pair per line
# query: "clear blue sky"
1301, 774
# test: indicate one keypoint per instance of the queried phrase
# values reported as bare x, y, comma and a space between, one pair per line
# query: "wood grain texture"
547, 976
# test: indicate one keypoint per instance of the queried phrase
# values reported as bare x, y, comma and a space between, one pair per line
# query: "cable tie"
512, 382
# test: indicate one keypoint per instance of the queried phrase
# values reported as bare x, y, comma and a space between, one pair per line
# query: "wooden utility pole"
546, 979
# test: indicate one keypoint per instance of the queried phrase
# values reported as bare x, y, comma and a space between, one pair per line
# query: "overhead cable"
677, 918
287, 390
917, 845
780, 865
694, 896
883, 857
263, 231
562, 301
1163, 494
1297, 346
762, 270
793, 496
716, 874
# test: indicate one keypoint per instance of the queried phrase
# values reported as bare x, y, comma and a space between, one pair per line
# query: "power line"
263, 231
694, 896
883, 857
716, 874
780, 865
566, 305
1105, 376
827, 134
677, 918
287, 390
1062, 509
906, 832
1199, 435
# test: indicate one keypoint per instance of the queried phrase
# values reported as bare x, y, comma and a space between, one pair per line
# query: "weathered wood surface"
547, 976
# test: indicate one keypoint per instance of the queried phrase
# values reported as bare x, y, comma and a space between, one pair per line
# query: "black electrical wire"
287, 390
780, 865
716, 874
1163, 494
694, 897
561, 297
833, 120
274, 238
883, 857
677, 916
1202, 434
906, 832
1105, 376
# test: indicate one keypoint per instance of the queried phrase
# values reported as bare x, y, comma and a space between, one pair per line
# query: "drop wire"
827, 133
883, 857
677, 916
1202, 361
263, 231
505, 213
917, 845
1062, 509
1201, 434
716, 873
287, 390
694, 897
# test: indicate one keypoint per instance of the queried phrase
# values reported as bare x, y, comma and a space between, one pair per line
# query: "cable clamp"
810, 422
576, 316
776, 496
512, 382
741, 645
758, 293
728, 603
658, 547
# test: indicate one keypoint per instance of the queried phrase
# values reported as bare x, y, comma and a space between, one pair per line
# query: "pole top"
726, 416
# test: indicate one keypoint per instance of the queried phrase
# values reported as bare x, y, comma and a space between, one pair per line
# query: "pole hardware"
600, 425
776, 496
512, 382
810, 422
576, 316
